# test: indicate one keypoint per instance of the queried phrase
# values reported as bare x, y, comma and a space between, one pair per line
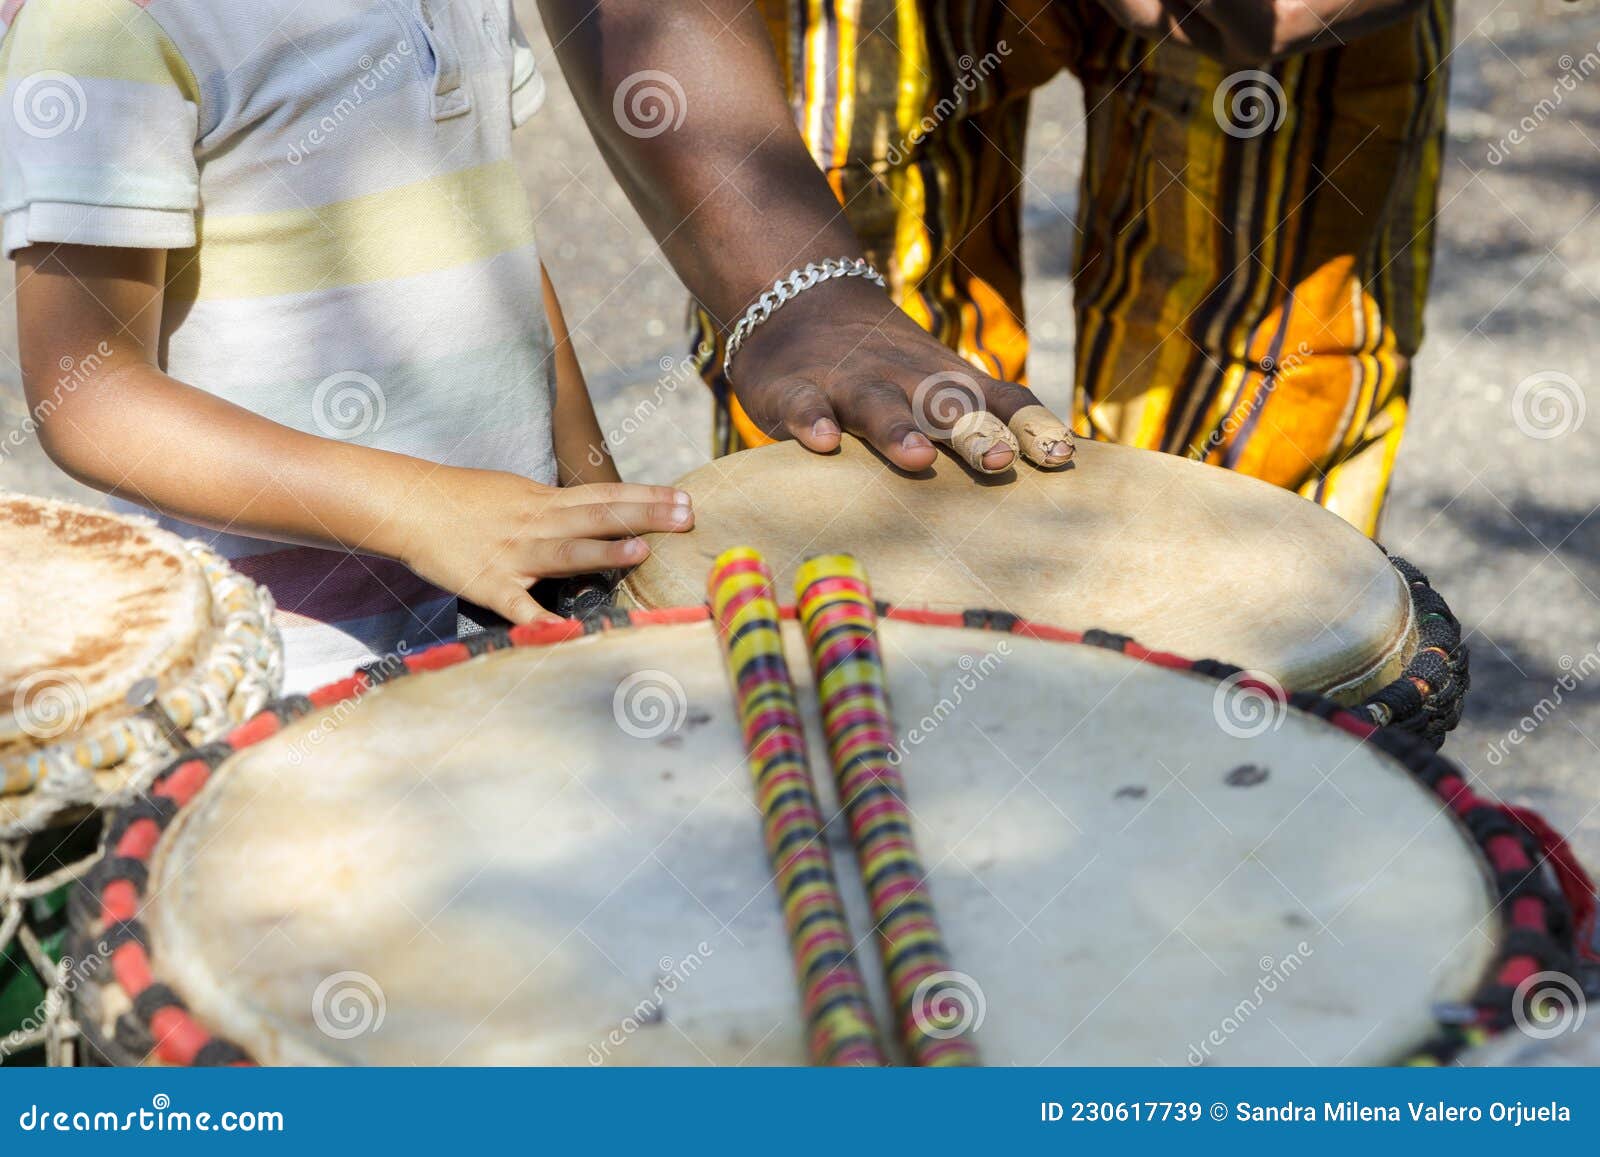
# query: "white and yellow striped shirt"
352, 249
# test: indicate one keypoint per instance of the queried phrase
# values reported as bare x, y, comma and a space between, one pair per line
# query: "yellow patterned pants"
1251, 247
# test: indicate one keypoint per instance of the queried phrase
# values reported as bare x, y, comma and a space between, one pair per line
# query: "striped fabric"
353, 252
1250, 274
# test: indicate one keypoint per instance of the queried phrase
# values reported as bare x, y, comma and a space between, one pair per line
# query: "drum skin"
1181, 556
97, 599
552, 856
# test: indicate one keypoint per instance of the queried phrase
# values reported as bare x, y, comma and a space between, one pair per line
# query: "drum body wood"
551, 855
1178, 555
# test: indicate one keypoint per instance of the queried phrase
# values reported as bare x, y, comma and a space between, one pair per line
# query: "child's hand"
489, 536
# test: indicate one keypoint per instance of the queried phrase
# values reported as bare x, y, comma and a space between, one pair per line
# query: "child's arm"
581, 452
119, 424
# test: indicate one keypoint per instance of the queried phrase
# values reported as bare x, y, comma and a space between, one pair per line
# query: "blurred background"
1501, 512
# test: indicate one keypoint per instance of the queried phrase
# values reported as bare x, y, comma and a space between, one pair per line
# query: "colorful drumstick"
840, 623
839, 1017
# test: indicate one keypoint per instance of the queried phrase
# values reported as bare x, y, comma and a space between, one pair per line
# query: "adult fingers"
1044, 439
953, 406
808, 416
880, 412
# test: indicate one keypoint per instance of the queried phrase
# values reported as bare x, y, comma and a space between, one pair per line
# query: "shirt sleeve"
99, 115
527, 83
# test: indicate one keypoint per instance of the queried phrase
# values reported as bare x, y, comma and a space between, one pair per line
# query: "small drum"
550, 854
96, 608
1178, 555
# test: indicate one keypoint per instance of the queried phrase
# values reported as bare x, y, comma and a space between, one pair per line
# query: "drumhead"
551, 855
1179, 555
92, 603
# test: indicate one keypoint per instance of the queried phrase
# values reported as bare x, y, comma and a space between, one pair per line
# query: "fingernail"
680, 497
915, 441
824, 428
635, 548
680, 515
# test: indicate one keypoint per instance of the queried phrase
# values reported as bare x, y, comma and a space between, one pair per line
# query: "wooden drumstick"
842, 1030
840, 622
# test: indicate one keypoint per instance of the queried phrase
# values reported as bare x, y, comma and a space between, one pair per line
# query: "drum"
1176, 554
96, 608
541, 847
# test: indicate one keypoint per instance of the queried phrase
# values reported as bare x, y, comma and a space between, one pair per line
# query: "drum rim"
1425, 696
1513, 844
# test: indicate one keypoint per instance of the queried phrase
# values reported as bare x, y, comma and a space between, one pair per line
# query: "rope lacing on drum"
55, 1029
1427, 697
241, 667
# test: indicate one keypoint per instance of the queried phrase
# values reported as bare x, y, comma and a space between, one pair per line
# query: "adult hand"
843, 357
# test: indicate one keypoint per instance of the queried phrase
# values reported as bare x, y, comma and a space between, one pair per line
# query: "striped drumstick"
839, 1020
840, 624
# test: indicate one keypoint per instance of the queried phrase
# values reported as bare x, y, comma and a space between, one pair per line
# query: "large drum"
1178, 555
97, 609
549, 854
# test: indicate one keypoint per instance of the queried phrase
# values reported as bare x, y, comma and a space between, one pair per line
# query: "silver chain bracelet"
787, 289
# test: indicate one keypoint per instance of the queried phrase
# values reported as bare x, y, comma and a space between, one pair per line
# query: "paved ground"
1505, 522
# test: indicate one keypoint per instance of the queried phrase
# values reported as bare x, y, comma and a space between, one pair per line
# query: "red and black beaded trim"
1427, 697
1546, 900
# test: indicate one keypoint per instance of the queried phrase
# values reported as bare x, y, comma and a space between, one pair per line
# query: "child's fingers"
617, 519
558, 558
515, 604
615, 492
